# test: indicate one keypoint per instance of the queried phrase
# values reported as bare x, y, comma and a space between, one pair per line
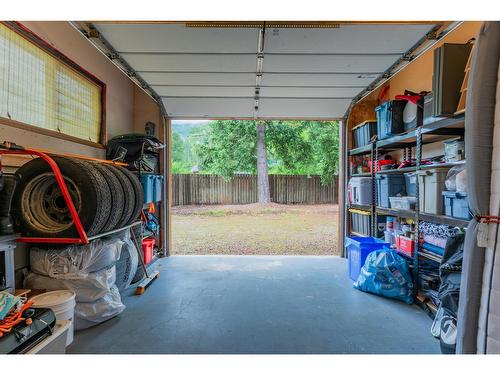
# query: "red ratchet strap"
411, 98
488, 219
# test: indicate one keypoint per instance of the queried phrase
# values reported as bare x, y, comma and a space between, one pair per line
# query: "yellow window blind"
39, 90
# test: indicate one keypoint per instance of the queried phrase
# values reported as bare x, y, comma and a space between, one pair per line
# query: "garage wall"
146, 110
126, 105
416, 76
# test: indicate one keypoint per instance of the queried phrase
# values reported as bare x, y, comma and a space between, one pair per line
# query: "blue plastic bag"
386, 273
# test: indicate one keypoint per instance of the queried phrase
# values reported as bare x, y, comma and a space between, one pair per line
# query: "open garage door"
257, 69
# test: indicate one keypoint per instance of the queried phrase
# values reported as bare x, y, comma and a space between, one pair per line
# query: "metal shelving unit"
437, 131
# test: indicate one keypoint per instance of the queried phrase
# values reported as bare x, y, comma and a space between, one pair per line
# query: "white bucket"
62, 303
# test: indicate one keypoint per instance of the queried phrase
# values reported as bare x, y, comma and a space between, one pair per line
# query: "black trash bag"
444, 326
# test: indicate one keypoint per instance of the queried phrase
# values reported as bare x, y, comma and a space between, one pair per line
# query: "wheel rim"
44, 205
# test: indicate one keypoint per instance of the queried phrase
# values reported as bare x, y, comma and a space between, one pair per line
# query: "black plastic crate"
390, 118
364, 132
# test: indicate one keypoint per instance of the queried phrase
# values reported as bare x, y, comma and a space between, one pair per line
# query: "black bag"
140, 151
450, 271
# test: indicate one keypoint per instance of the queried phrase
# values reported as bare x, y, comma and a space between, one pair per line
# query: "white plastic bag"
107, 307
451, 178
461, 181
75, 261
126, 266
88, 288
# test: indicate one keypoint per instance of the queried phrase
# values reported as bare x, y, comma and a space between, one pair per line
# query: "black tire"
38, 207
117, 196
129, 195
138, 193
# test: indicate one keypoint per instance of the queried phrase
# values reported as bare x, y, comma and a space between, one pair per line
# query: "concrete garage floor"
258, 304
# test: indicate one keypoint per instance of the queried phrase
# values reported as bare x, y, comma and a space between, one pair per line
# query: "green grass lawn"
255, 230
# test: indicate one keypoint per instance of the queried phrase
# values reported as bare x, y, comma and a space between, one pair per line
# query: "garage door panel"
204, 91
211, 79
328, 63
178, 38
345, 39
191, 62
270, 79
302, 108
209, 107
309, 92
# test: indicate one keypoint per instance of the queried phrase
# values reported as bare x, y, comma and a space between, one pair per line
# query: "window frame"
33, 38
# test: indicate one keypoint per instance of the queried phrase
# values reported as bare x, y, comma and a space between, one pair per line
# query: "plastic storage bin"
411, 184
360, 190
148, 186
454, 151
148, 245
358, 249
405, 245
364, 132
158, 184
413, 114
456, 205
360, 222
389, 185
403, 203
431, 185
390, 118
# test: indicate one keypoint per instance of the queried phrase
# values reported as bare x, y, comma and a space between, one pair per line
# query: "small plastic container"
148, 186
358, 249
390, 118
389, 185
148, 245
456, 205
405, 245
454, 151
403, 203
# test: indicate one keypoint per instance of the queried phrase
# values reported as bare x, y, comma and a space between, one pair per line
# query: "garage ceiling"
256, 72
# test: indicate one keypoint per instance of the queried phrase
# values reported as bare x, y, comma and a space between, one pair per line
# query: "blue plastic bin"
390, 118
390, 185
358, 249
148, 186
456, 205
158, 196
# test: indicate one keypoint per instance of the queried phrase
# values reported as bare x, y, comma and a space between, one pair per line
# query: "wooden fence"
195, 189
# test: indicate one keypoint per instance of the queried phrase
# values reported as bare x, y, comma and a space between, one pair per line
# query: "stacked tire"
106, 197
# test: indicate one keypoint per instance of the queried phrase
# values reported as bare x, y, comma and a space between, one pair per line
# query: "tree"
178, 148
291, 147
262, 174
